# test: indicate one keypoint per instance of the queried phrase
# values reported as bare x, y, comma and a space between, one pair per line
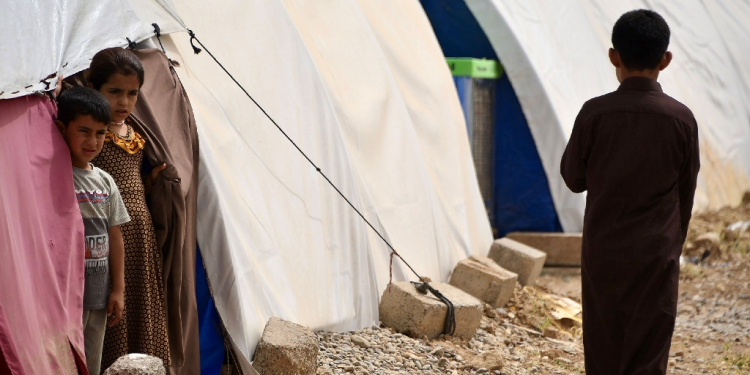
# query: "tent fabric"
41, 237
555, 54
413, 56
43, 39
47, 39
385, 126
456, 29
160, 12
521, 199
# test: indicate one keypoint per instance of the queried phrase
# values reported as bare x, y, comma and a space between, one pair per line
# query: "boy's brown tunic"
636, 152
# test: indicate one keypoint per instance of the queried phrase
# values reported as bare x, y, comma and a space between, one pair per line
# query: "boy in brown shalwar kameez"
636, 152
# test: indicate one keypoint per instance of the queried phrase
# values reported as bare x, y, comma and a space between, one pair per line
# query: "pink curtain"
41, 244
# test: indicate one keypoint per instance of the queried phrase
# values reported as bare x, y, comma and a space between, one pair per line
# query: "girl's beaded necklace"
129, 133
132, 142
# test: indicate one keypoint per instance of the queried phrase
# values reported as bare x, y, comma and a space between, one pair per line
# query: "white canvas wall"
555, 54
363, 89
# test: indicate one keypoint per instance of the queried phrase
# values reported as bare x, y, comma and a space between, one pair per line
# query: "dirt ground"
538, 331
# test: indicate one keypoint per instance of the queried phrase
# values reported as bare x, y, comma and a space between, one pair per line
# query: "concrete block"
137, 364
562, 249
484, 279
518, 258
286, 349
412, 313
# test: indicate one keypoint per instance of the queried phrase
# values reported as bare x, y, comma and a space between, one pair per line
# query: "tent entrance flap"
518, 196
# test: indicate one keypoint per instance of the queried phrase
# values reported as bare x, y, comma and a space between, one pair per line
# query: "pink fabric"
41, 244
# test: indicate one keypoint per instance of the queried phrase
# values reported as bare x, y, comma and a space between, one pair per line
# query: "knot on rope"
192, 37
157, 31
449, 328
131, 44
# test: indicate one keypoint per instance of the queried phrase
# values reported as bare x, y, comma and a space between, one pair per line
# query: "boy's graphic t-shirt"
101, 208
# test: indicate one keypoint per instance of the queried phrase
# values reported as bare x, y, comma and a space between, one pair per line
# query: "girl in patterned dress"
118, 74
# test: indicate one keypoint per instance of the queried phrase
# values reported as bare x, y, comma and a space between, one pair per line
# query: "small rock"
710, 241
525, 261
551, 332
489, 311
492, 360
406, 310
564, 360
137, 364
286, 348
359, 341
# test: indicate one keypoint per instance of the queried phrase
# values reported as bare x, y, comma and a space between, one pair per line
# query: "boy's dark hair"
641, 37
112, 61
82, 101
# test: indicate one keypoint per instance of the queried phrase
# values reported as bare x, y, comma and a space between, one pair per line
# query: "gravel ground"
712, 333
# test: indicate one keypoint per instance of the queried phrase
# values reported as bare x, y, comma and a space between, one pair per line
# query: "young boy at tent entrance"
83, 115
636, 152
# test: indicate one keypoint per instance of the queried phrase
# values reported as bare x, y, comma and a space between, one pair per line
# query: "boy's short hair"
641, 37
81, 101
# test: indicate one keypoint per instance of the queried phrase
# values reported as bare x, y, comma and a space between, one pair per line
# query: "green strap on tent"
474, 68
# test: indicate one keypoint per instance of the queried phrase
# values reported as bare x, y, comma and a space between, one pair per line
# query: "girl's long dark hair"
112, 61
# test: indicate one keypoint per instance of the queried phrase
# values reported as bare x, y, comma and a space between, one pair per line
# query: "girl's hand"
155, 172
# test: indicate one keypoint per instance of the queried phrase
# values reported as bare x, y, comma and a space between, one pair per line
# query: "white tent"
360, 86
555, 54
